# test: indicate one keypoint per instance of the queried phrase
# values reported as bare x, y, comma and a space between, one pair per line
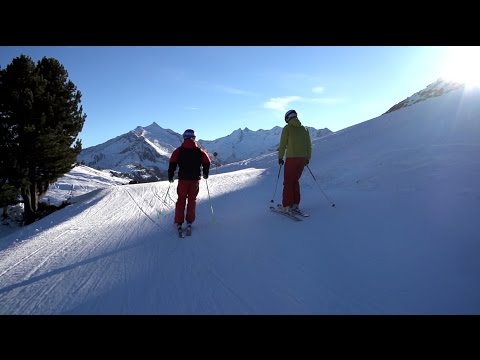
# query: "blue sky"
216, 90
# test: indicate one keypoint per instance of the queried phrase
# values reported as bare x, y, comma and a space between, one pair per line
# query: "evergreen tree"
41, 117
7, 197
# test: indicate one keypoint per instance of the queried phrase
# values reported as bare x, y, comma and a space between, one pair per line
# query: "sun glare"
463, 65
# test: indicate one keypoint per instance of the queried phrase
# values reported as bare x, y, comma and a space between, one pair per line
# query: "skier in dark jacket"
191, 159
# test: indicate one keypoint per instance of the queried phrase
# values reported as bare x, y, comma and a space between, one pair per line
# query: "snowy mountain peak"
153, 125
437, 88
143, 153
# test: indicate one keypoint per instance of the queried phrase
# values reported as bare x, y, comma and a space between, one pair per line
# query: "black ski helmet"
289, 114
189, 134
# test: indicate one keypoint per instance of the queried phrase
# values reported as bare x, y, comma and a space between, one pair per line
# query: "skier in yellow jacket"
295, 143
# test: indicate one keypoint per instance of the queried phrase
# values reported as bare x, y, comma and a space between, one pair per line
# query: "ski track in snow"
129, 217
139, 266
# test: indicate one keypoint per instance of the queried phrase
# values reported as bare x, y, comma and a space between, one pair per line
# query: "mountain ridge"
143, 153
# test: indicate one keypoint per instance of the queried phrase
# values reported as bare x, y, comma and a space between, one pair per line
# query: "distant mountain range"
143, 154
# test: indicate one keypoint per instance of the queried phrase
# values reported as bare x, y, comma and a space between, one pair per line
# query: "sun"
462, 65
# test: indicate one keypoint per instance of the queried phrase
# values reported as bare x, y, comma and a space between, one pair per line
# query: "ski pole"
326, 197
161, 212
164, 200
216, 165
164, 203
210, 201
278, 177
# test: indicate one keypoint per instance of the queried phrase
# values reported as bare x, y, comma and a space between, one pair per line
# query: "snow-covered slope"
79, 181
402, 238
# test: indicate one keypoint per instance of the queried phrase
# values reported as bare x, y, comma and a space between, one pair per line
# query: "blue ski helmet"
290, 114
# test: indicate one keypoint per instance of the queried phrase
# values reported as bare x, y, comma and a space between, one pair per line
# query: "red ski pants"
291, 176
187, 191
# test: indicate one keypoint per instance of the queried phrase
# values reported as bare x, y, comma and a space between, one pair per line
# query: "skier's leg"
194, 187
182, 190
289, 178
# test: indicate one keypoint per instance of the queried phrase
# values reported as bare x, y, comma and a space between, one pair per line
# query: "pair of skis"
182, 232
295, 215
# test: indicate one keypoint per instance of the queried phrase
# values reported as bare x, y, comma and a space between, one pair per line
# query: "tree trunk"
28, 213
34, 197
42, 188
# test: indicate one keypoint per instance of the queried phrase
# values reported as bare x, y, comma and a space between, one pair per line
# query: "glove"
205, 176
307, 162
281, 162
170, 180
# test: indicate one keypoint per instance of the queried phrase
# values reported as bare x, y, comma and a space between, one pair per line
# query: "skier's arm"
283, 143
205, 164
309, 146
172, 166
